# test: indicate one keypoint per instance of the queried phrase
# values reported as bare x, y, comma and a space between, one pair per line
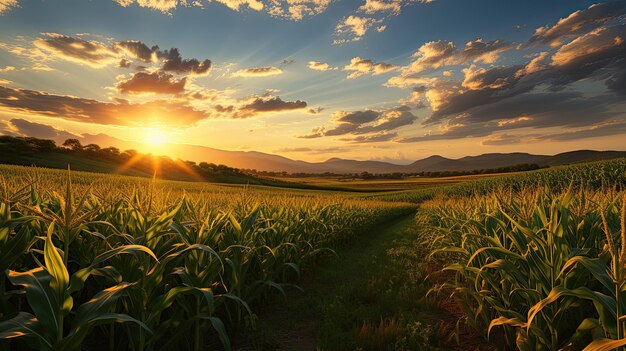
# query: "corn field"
540, 265
105, 262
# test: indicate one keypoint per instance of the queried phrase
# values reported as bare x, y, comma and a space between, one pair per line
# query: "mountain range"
267, 162
275, 163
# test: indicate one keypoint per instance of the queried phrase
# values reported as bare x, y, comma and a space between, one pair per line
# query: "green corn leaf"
100, 303
41, 298
23, 325
56, 269
122, 250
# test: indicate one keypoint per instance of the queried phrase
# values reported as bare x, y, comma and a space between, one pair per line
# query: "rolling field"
536, 261
140, 265
532, 261
375, 185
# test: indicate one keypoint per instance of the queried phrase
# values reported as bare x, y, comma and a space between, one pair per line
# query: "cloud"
157, 82
603, 41
321, 66
356, 117
504, 139
236, 5
576, 23
22, 127
164, 6
138, 50
91, 53
365, 122
354, 28
597, 130
7, 5
371, 14
531, 110
99, 54
492, 78
597, 55
359, 67
374, 6
608, 128
432, 55
124, 63
7, 69
255, 105
401, 81
486, 52
436, 54
258, 72
120, 112
295, 10
174, 63
373, 138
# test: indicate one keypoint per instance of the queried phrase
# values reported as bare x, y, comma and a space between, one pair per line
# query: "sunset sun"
155, 139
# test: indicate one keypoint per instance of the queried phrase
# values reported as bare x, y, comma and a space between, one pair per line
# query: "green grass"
375, 278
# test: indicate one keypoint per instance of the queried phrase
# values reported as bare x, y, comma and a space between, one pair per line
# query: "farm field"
383, 184
312, 175
526, 261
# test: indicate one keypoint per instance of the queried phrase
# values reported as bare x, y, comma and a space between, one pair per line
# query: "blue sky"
359, 111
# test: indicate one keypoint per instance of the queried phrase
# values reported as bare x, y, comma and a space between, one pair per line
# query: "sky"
393, 80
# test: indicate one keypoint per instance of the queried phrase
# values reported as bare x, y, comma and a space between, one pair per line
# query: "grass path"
371, 297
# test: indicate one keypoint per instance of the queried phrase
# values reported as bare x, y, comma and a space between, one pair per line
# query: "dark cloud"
365, 122
138, 50
175, 63
357, 117
100, 54
157, 82
609, 128
597, 55
576, 23
533, 110
91, 53
255, 105
372, 138
22, 127
124, 63
267, 104
599, 130
120, 112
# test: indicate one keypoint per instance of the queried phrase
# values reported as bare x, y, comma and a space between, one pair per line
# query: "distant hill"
275, 163
45, 153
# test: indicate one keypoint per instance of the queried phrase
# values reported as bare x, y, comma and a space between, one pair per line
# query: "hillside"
46, 154
275, 163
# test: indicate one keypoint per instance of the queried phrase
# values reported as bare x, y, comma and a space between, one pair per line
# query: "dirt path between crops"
369, 297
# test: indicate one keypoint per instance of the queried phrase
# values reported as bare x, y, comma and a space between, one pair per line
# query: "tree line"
15, 147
